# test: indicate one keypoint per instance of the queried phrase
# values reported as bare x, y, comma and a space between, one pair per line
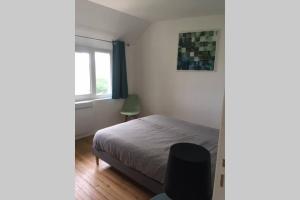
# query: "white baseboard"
83, 135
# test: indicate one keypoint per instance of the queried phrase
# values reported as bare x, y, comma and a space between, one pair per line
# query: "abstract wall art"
196, 50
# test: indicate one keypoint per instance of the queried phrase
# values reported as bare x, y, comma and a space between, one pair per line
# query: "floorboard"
102, 182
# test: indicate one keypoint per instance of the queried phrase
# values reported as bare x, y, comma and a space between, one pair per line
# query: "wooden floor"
102, 182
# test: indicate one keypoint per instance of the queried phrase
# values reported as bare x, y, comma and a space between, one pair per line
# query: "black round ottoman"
188, 175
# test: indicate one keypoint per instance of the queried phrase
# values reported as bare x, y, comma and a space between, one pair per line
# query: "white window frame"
91, 51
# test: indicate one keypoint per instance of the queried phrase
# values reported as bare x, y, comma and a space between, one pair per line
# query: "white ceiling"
155, 10
94, 20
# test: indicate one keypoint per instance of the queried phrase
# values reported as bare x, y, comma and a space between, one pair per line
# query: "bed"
139, 148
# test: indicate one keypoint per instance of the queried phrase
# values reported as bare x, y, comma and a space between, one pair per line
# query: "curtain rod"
97, 39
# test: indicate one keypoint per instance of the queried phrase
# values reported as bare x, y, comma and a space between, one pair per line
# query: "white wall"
100, 114
194, 96
219, 190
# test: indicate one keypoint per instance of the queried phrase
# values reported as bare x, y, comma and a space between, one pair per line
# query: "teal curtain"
119, 74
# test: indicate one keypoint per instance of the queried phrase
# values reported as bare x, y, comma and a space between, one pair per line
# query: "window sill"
83, 104
88, 103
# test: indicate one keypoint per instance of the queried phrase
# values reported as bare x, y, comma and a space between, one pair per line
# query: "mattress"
143, 144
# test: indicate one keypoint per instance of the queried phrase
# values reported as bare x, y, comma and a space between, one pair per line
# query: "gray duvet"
143, 144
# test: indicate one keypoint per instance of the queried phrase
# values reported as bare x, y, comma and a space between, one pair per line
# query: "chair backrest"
131, 104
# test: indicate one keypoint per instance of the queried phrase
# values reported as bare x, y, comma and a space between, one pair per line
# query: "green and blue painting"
196, 50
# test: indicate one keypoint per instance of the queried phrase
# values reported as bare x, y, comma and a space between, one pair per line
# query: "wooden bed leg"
97, 160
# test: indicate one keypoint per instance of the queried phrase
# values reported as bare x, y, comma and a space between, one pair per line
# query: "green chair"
131, 107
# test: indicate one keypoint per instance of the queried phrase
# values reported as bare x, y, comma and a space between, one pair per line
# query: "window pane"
103, 73
82, 74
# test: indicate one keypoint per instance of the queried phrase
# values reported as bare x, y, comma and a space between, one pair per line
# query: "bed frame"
149, 183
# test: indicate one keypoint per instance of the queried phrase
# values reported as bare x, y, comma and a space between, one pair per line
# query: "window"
82, 74
92, 74
103, 73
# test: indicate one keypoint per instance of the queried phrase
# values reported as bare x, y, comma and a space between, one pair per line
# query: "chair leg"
126, 118
97, 160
